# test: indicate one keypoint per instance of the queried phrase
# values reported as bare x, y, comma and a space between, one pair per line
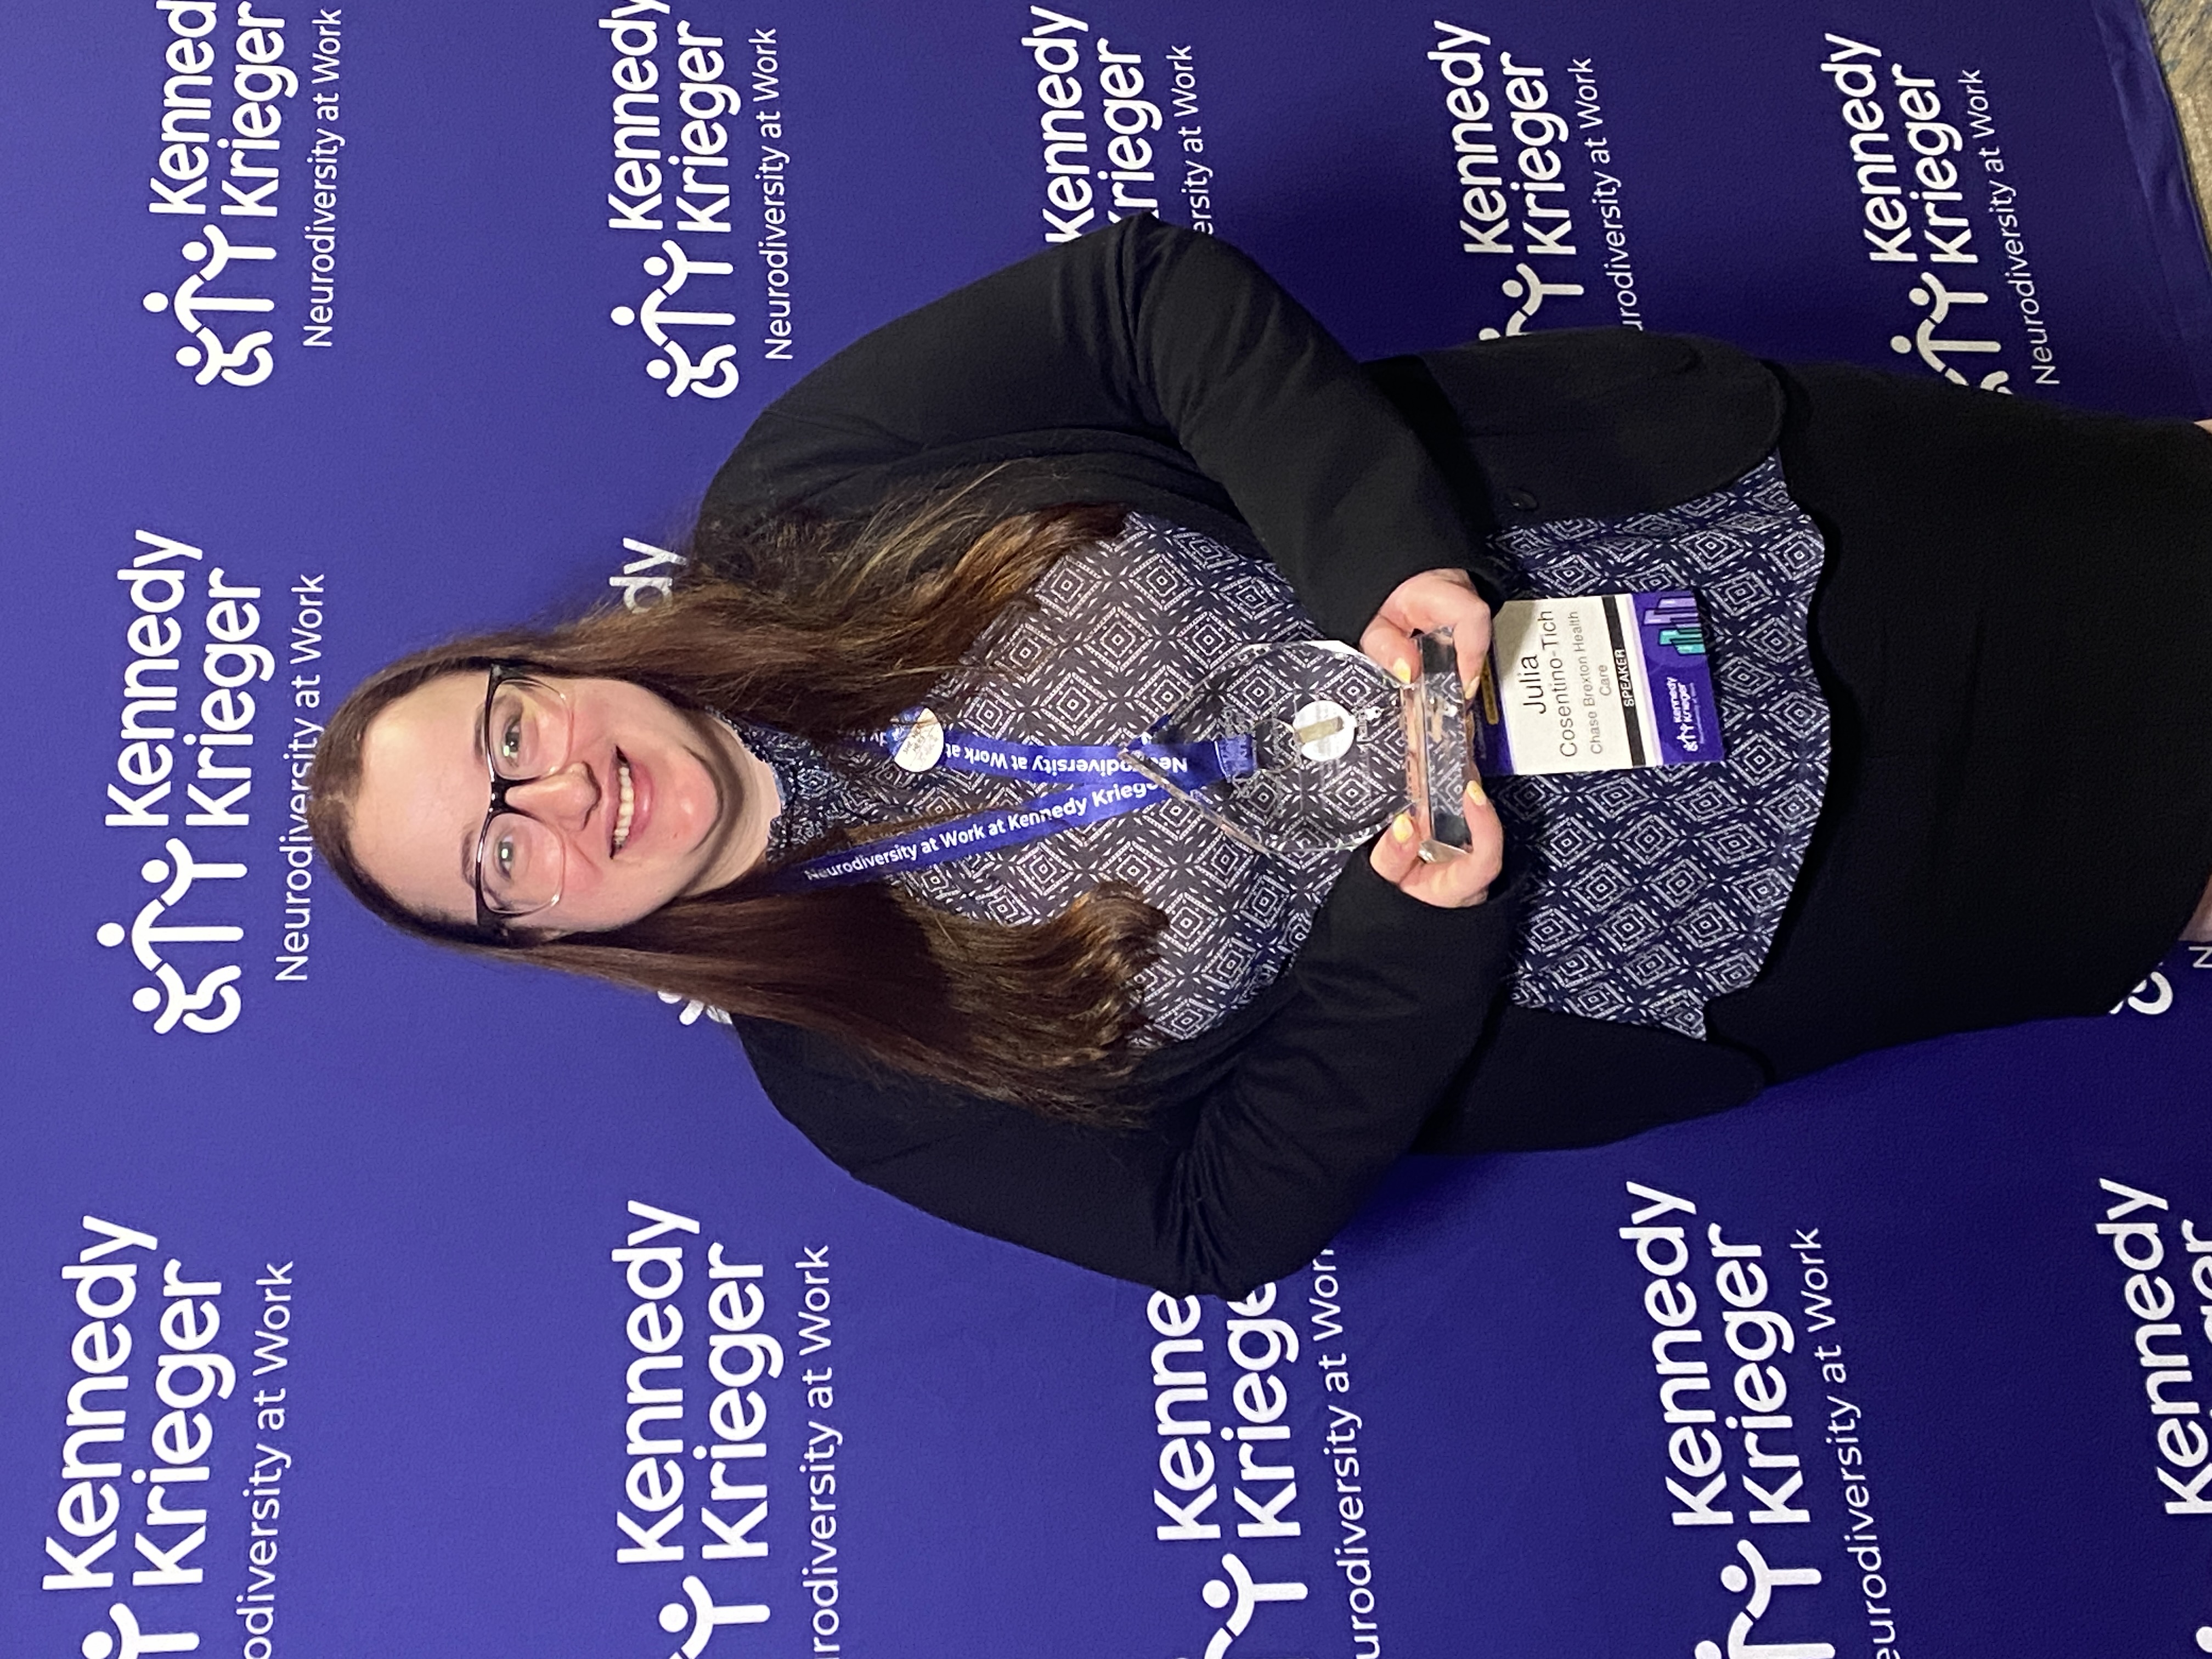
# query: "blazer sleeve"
1290, 1131
1140, 334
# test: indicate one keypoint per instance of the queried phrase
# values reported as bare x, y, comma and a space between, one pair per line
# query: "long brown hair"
826, 629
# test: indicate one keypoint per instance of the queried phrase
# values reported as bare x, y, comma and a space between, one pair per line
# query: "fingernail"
1401, 828
1475, 794
1404, 670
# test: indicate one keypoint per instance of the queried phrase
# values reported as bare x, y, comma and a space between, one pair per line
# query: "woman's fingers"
1397, 851
1423, 603
1471, 639
1451, 881
1447, 598
1448, 881
1385, 643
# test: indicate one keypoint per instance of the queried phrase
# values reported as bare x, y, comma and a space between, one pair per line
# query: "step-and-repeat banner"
363, 1300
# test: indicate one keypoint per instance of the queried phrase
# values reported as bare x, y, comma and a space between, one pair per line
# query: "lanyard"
1111, 788
1193, 765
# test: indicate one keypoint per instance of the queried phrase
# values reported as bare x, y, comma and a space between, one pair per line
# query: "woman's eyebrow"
470, 844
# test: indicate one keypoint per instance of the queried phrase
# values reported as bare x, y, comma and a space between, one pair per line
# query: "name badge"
1604, 683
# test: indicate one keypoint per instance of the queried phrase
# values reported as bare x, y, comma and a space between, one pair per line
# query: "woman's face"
647, 802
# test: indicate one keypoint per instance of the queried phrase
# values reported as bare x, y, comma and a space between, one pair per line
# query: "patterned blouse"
1652, 890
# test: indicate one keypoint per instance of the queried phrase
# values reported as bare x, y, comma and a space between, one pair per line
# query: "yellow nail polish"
1401, 828
1404, 670
1474, 795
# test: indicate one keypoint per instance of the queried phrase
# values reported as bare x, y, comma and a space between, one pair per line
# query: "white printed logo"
1761, 1581
239, 175
715, 375
247, 362
99, 1644
2153, 996
1241, 1594
147, 935
216, 775
1532, 291
704, 1617
1525, 190
1927, 290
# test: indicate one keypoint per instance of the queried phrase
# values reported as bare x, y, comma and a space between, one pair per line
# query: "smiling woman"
1056, 504
413, 769
605, 802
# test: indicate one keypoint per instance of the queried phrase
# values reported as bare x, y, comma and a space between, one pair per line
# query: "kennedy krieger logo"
243, 361
195, 733
715, 372
221, 300
672, 175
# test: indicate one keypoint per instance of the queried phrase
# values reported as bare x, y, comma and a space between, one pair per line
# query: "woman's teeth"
627, 803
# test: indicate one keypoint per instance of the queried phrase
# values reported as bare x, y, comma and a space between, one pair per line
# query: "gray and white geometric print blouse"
1653, 891
1658, 890
1123, 632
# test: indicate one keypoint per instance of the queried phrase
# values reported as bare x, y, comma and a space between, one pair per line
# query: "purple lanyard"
1110, 788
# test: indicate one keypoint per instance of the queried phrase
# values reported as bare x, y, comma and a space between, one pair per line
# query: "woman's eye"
503, 858
525, 732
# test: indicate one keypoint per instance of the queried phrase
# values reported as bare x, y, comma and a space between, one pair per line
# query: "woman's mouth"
626, 803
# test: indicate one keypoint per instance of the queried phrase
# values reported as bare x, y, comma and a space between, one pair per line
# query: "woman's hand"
1450, 881
1423, 603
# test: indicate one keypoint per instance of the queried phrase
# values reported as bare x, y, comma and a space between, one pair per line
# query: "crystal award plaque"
1333, 742
1439, 747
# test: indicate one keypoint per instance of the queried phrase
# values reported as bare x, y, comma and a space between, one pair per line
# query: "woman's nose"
561, 799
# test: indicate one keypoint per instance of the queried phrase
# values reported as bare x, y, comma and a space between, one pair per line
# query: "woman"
1020, 1041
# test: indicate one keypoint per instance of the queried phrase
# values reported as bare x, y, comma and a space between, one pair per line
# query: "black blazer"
1161, 369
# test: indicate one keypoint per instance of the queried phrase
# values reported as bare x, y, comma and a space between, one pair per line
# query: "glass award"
1329, 746
1440, 760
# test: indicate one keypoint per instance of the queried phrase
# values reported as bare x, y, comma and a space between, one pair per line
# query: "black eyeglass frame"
491, 920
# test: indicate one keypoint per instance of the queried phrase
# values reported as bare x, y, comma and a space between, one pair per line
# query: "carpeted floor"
2183, 29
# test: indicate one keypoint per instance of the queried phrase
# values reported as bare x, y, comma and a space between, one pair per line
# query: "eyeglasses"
520, 863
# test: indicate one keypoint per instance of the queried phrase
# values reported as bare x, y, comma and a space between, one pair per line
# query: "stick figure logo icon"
1928, 290
129, 1640
1532, 291
244, 362
147, 934
1240, 1593
704, 1618
715, 374
1762, 1580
